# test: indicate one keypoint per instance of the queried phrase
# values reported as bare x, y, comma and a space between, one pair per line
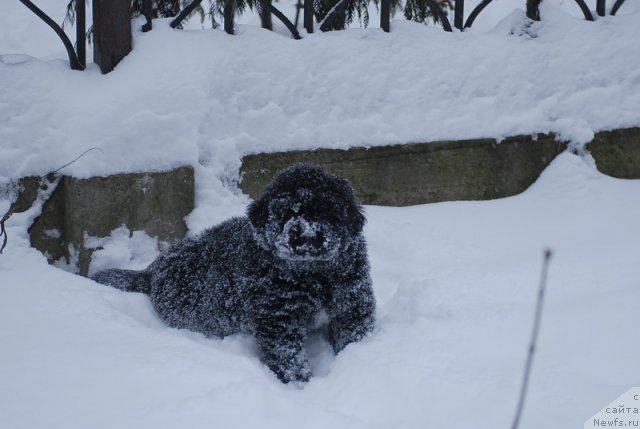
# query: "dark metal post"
458, 15
385, 15
308, 16
81, 33
600, 7
228, 16
147, 12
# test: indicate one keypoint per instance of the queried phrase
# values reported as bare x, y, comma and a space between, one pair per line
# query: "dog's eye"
283, 207
332, 211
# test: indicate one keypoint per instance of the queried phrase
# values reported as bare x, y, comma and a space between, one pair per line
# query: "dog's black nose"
303, 237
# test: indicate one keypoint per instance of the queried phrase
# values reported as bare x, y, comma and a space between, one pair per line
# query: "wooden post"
111, 32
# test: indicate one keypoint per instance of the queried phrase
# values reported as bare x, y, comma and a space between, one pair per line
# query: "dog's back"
200, 283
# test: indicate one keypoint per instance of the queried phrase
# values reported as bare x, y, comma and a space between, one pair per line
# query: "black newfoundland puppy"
299, 252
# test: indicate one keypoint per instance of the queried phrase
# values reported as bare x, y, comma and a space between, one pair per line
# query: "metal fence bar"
73, 58
585, 10
338, 9
148, 15
476, 11
308, 16
229, 12
458, 15
292, 28
77, 56
435, 8
175, 22
81, 33
385, 15
616, 6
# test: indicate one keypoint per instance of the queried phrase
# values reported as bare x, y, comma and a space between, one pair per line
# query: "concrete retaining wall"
617, 152
152, 202
420, 173
450, 170
393, 175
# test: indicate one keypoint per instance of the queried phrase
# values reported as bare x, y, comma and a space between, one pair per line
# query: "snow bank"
455, 283
201, 97
131, 250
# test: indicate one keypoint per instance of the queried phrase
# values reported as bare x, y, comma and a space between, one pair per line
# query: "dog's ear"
257, 212
355, 217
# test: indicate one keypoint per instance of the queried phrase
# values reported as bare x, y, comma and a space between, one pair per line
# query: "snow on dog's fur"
298, 252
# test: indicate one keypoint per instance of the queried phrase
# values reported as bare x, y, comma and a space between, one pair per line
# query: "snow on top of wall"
204, 97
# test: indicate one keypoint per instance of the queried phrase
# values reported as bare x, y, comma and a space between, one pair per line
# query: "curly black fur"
298, 252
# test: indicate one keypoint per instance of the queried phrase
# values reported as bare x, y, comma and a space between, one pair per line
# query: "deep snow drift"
455, 282
456, 285
203, 97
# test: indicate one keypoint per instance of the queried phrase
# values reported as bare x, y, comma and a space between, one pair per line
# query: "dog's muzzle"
305, 240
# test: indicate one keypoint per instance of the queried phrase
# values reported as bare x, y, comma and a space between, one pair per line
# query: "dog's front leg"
281, 342
351, 312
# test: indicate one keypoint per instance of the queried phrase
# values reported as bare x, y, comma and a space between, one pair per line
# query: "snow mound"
201, 97
456, 286
132, 250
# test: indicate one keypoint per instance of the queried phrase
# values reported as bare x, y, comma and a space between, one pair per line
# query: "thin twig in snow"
534, 337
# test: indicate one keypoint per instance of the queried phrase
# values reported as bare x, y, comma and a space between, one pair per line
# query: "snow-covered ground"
455, 282
456, 285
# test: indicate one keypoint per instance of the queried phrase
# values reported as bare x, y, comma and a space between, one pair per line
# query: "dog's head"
306, 215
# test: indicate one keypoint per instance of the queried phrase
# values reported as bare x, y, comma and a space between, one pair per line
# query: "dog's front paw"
298, 373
